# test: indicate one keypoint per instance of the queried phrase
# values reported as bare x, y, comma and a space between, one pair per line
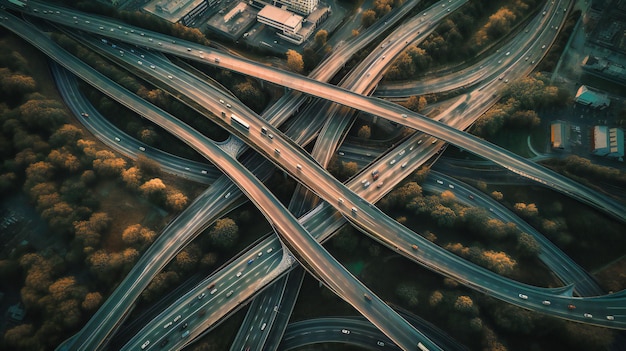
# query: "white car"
588, 315
380, 343
145, 344
345, 331
610, 318
546, 302
523, 297
238, 274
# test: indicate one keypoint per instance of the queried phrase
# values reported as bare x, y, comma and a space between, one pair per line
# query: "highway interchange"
291, 155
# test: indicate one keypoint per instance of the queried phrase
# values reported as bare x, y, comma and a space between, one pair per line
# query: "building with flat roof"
303, 7
177, 11
289, 24
608, 142
558, 134
591, 98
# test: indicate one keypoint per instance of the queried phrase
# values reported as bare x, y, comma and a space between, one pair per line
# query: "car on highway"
403, 165
269, 250
170, 77
213, 291
366, 184
345, 331
375, 174
367, 297
523, 297
177, 318
185, 334
211, 286
471, 197
141, 148
229, 294
379, 185
610, 318
260, 253
571, 307
229, 105
204, 171
380, 343
263, 326
238, 274
145, 344
167, 325
84, 114
117, 139
184, 326
414, 247
227, 195
201, 296
439, 181
587, 315
250, 261
546, 302
392, 161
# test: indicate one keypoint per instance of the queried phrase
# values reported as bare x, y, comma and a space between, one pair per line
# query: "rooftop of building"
171, 10
279, 15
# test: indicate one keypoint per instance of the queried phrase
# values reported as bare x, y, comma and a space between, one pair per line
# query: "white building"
588, 97
289, 24
303, 7
608, 141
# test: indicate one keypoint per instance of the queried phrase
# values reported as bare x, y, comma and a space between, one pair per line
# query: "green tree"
409, 293
527, 245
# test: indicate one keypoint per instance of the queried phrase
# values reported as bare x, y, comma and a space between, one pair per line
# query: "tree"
435, 298
498, 262
188, 258
224, 233
444, 216
176, 200
527, 245
137, 235
364, 132
132, 177
416, 103
67, 134
321, 37
496, 195
464, 304
368, 18
294, 61
92, 301
106, 164
409, 293
526, 210
66, 288
246, 91
64, 159
148, 166
22, 337
148, 136
153, 189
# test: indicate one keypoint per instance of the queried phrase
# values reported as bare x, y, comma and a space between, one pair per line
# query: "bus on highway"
239, 121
